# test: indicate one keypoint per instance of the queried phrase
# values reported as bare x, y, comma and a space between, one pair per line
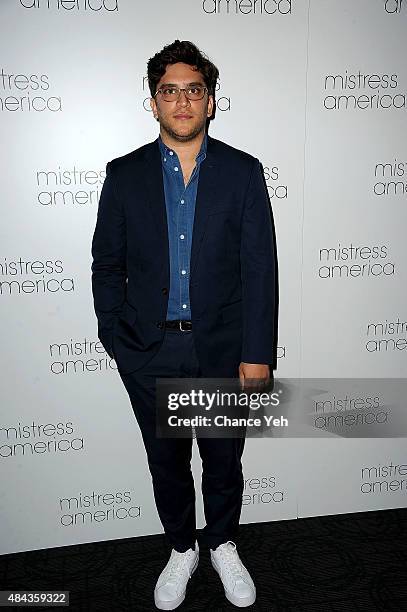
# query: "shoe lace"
231, 557
176, 566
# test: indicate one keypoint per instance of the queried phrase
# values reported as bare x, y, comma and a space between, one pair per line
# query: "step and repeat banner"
316, 89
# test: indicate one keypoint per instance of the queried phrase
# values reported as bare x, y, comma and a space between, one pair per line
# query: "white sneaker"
237, 583
171, 585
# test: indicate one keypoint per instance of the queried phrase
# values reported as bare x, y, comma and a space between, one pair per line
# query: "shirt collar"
165, 151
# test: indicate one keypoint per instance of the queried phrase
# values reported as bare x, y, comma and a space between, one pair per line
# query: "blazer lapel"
155, 189
208, 174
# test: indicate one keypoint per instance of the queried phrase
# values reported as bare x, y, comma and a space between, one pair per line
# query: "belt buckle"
181, 328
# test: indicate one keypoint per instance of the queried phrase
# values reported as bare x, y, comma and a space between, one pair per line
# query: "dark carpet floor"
343, 563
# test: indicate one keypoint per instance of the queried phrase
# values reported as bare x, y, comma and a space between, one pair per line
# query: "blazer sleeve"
109, 274
258, 274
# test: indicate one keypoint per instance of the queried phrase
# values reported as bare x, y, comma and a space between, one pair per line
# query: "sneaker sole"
171, 605
240, 602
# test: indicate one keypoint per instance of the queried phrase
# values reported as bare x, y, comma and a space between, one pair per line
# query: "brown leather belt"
178, 324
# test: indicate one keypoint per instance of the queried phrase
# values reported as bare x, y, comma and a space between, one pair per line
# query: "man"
184, 286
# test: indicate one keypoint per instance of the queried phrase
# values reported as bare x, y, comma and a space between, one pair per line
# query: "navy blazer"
232, 280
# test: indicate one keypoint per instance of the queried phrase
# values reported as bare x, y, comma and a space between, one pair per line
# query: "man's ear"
211, 104
153, 107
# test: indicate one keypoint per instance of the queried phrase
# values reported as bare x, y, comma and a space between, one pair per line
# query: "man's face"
182, 119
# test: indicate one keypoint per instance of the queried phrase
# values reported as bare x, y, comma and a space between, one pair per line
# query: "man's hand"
254, 374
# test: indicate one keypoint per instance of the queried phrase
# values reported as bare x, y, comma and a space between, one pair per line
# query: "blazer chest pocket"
221, 211
232, 312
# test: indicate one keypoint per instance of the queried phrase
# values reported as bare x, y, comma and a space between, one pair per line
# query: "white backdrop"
317, 90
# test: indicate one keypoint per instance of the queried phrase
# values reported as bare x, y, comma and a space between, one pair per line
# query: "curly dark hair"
181, 51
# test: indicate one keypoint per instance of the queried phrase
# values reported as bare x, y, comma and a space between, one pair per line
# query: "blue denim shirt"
180, 205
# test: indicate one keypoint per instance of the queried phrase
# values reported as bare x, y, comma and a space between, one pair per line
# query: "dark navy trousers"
169, 459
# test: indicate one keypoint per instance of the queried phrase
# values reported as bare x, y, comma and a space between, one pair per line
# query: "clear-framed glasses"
172, 93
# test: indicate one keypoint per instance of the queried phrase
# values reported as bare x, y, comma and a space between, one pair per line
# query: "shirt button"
183, 271
165, 159
184, 305
176, 168
171, 152
182, 236
182, 201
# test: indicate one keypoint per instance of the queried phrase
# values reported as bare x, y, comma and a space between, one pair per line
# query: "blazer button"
160, 324
164, 290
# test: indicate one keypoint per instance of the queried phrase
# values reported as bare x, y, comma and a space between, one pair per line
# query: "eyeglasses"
171, 94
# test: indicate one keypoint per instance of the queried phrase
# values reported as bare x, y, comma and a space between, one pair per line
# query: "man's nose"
182, 98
